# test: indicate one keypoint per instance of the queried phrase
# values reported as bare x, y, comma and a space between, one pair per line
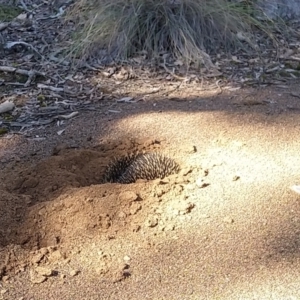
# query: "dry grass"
185, 28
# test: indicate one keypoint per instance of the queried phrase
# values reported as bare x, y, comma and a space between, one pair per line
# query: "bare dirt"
226, 227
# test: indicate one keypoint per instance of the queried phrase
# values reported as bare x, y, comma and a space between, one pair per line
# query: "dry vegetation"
188, 29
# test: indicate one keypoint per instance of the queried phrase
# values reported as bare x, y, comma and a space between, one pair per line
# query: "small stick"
51, 88
21, 71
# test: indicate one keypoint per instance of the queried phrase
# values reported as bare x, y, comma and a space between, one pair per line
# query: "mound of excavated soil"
47, 210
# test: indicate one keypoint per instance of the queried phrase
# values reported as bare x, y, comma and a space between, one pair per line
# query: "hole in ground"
72, 168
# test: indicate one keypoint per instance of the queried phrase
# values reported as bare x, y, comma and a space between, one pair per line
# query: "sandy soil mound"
49, 209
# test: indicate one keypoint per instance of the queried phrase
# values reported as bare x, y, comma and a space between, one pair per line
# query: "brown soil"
226, 227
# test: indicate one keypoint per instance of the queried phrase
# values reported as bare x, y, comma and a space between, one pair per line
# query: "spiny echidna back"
147, 166
117, 167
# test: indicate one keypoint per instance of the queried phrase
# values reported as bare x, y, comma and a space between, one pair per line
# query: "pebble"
74, 272
122, 215
128, 196
44, 271
235, 178
183, 207
228, 220
55, 256
169, 227
134, 208
201, 183
152, 221
126, 258
37, 278
192, 149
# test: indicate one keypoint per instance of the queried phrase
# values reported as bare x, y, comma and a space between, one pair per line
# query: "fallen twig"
21, 71
59, 14
66, 117
51, 88
295, 58
24, 6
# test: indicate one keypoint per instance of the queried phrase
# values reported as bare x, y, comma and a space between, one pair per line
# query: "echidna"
129, 168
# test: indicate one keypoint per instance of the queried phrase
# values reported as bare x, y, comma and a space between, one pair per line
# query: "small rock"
42, 211
37, 258
74, 273
122, 215
126, 258
159, 192
201, 183
193, 149
169, 227
134, 208
152, 221
55, 256
182, 207
44, 250
235, 178
37, 278
121, 274
128, 196
228, 220
44, 271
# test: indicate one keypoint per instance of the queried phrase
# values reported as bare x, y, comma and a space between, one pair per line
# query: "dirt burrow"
48, 210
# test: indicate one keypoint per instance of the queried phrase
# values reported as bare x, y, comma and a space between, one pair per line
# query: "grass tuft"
188, 29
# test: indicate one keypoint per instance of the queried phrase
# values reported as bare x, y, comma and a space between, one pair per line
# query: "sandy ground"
226, 227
